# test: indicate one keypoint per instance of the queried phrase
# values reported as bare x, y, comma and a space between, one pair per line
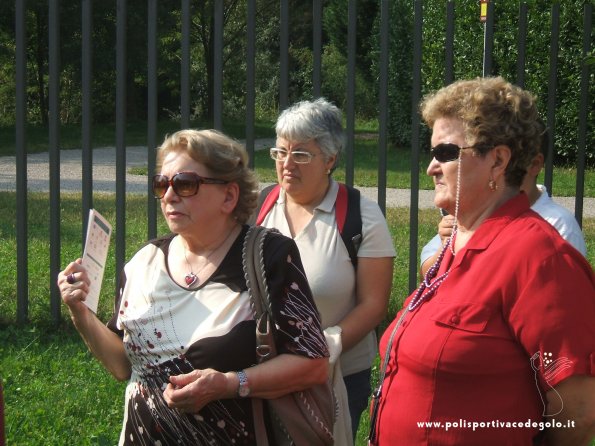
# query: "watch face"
244, 391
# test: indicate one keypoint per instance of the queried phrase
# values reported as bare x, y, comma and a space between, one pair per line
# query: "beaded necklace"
430, 282
426, 290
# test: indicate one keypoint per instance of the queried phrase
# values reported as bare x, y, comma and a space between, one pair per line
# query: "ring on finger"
70, 278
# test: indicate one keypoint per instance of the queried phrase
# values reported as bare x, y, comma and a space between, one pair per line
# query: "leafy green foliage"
468, 60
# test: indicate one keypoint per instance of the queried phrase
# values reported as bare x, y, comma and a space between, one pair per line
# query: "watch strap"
243, 389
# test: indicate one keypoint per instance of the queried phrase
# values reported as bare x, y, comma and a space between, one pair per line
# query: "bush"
468, 60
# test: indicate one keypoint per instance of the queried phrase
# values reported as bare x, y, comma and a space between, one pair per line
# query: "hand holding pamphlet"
95, 254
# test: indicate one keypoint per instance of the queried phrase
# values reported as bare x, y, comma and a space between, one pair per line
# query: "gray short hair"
317, 120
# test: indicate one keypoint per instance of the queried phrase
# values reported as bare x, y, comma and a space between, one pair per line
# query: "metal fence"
284, 38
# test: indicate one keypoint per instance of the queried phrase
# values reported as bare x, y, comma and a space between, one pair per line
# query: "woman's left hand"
192, 391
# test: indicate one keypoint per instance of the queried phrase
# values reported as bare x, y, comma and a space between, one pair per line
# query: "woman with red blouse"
495, 347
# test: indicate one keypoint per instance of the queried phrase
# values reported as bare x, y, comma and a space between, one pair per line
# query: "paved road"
104, 174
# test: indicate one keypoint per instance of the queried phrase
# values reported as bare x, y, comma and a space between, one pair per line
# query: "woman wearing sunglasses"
183, 332
556, 215
495, 347
352, 301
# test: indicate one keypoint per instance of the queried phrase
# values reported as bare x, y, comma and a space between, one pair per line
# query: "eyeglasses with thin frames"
298, 156
184, 184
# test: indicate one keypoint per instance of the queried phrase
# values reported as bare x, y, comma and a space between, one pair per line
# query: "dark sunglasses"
184, 184
447, 151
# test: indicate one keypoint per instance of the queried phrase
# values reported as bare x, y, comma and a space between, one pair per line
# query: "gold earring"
493, 186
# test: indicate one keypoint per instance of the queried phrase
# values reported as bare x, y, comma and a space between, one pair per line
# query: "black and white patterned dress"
168, 330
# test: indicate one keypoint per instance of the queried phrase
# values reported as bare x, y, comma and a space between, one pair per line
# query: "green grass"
55, 391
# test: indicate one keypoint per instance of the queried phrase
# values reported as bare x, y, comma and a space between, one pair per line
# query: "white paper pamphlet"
95, 254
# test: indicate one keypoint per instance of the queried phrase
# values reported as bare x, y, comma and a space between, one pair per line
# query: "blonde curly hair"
493, 112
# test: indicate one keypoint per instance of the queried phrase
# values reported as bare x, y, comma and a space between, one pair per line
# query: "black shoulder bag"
303, 418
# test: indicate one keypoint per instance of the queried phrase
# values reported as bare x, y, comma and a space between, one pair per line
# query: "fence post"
316, 47
151, 114
415, 145
250, 78
383, 104
21, 163
551, 96
583, 114
87, 112
54, 154
120, 137
218, 66
185, 66
488, 40
284, 55
522, 46
350, 100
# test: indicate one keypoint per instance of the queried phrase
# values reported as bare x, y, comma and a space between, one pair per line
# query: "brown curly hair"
493, 112
224, 157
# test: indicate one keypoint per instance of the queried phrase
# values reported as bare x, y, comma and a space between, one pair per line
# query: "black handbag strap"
254, 273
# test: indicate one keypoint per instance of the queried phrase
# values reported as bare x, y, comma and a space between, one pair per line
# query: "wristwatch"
243, 389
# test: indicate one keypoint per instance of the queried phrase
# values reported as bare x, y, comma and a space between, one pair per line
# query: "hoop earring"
493, 185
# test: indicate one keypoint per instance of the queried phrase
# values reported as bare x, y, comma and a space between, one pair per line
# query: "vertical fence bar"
350, 112
284, 55
21, 162
120, 136
151, 114
522, 46
87, 112
583, 114
449, 44
316, 48
185, 67
383, 104
488, 42
415, 144
250, 78
218, 67
551, 96
54, 152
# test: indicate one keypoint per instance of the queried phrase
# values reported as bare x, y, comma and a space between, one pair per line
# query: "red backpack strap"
341, 207
268, 203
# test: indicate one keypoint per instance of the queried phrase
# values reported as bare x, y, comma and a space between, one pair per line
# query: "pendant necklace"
191, 277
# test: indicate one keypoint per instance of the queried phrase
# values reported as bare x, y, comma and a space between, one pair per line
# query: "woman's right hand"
106, 345
73, 283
